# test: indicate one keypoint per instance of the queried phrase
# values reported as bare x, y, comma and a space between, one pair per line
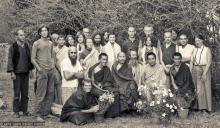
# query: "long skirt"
203, 89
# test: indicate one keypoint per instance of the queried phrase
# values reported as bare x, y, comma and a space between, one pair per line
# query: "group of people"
72, 74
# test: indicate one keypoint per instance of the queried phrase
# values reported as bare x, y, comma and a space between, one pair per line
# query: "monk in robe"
153, 77
137, 67
122, 73
81, 106
103, 81
182, 82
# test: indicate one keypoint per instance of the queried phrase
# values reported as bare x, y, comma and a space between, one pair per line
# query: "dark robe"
71, 110
168, 54
105, 78
183, 80
127, 87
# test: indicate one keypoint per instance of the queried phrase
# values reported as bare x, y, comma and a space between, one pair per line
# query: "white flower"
170, 94
158, 102
167, 105
169, 90
140, 93
172, 110
153, 92
181, 108
171, 106
152, 103
164, 114
164, 100
175, 107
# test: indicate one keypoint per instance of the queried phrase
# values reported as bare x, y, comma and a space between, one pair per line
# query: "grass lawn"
196, 120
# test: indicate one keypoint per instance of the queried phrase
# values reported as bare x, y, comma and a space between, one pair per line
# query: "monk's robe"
71, 110
106, 81
127, 87
184, 82
153, 77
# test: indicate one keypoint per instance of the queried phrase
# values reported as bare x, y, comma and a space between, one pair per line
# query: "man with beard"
137, 67
103, 82
131, 43
19, 66
43, 59
153, 76
122, 73
81, 107
89, 56
71, 71
182, 82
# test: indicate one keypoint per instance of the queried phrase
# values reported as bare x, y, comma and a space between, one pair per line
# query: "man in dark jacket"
19, 65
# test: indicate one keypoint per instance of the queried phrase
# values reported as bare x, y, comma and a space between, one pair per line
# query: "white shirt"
112, 52
186, 51
66, 65
200, 56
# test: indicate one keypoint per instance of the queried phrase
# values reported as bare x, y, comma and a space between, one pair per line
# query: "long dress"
71, 110
127, 87
106, 81
203, 88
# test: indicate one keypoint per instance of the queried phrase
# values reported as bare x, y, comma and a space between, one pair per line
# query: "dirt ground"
195, 120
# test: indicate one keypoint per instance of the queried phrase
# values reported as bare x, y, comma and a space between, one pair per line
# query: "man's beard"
133, 62
73, 60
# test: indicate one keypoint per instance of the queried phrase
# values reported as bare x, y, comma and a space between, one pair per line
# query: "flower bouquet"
106, 99
160, 103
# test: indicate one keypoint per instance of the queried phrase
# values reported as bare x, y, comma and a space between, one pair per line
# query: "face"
87, 87
54, 38
133, 55
97, 39
104, 60
20, 36
80, 39
198, 42
148, 42
89, 44
177, 60
151, 60
70, 40
112, 38
174, 35
106, 35
131, 32
86, 32
61, 41
121, 58
44, 32
72, 52
148, 30
167, 37
183, 40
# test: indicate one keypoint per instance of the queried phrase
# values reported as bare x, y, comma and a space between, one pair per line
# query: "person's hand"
94, 108
13, 77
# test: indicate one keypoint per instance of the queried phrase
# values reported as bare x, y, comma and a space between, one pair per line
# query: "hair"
17, 30
87, 80
131, 27
149, 25
40, 29
200, 36
102, 54
79, 34
61, 36
151, 53
129, 53
120, 53
177, 54
167, 30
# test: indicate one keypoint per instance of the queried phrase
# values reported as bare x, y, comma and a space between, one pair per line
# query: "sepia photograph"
110, 63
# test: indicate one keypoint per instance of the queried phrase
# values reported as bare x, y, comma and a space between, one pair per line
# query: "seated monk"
81, 106
122, 73
104, 83
182, 82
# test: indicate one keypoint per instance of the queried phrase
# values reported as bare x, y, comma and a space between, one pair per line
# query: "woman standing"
80, 38
201, 73
70, 41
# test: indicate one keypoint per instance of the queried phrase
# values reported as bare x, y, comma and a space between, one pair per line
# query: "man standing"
103, 82
89, 56
185, 49
19, 65
131, 43
43, 59
70, 72
111, 49
182, 82
122, 73
137, 67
